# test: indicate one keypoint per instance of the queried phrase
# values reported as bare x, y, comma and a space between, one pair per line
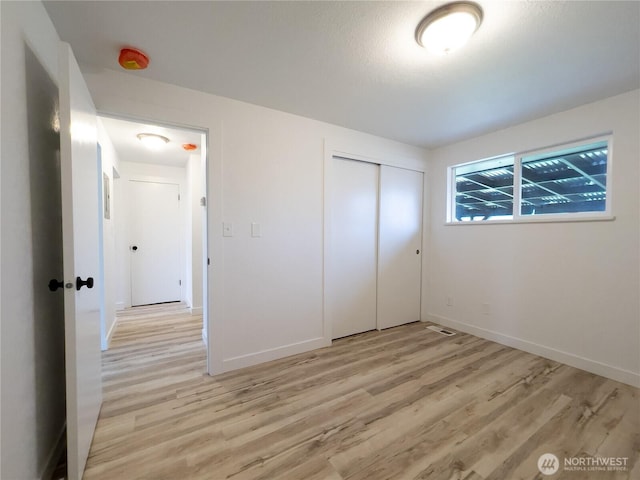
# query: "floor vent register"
440, 330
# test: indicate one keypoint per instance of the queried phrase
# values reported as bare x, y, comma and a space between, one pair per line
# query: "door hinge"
178, 197
180, 282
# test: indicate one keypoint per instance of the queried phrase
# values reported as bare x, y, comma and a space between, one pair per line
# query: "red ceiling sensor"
189, 146
133, 59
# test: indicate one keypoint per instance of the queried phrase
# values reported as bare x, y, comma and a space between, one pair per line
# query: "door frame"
361, 153
206, 280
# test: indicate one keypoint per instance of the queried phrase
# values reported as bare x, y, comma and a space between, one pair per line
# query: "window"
484, 190
561, 183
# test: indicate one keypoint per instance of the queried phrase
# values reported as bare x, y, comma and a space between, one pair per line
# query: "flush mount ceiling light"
152, 140
449, 27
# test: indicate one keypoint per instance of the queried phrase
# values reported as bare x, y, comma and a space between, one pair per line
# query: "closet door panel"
354, 225
400, 246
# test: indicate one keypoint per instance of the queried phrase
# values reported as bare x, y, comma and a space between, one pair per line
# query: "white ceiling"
123, 134
356, 64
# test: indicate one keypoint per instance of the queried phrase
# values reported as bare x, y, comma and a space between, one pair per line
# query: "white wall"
151, 173
110, 164
568, 291
265, 166
33, 381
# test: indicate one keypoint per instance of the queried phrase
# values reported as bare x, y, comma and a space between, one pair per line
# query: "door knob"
84, 283
134, 248
417, 252
55, 285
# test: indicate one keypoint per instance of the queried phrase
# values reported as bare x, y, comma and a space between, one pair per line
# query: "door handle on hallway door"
82, 283
55, 285
134, 248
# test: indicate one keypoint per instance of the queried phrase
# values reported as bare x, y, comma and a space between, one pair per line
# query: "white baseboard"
602, 369
196, 310
272, 354
110, 332
55, 454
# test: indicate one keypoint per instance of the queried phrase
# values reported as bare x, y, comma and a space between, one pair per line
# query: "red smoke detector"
133, 59
189, 146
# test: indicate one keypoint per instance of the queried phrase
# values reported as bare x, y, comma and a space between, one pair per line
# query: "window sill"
592, 218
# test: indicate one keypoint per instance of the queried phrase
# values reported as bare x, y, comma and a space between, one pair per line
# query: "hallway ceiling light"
449, 27
153, 140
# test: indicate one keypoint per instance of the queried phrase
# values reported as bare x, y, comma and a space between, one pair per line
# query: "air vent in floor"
442, 331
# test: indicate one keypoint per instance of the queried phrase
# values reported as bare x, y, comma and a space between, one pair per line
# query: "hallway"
153, 370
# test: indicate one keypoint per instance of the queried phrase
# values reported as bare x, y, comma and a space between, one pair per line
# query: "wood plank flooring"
405, 403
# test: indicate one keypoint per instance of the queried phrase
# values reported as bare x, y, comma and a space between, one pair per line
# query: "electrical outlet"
486, 309
449, 301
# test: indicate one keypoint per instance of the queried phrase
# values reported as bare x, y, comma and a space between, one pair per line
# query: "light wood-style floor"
400, 404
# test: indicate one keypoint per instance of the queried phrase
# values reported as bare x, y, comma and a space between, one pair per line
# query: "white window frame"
607, 214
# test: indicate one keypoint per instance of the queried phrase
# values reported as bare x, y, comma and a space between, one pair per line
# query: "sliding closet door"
351, 277
400, 246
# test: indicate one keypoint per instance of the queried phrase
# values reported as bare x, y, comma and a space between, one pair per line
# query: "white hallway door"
155, 242
375, 273
354, 229
79, 186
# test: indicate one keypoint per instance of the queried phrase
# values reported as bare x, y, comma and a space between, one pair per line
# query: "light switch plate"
227, 229
256, 230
